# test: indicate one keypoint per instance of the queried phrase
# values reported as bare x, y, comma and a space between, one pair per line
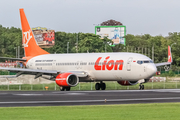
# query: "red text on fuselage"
109, 65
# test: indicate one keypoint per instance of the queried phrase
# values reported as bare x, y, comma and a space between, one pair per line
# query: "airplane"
67, 70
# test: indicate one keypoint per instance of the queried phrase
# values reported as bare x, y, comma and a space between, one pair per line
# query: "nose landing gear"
141, 86
100, 85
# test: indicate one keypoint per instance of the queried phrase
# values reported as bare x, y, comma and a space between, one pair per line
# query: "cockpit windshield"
144, 61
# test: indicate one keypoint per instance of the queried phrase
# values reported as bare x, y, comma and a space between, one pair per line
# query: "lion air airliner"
67, 70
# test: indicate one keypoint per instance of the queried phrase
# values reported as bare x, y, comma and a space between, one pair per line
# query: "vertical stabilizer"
30, 46
169, 55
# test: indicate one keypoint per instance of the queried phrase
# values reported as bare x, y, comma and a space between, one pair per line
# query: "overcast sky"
155, 17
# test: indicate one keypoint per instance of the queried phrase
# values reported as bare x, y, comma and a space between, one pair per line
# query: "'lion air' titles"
108, 64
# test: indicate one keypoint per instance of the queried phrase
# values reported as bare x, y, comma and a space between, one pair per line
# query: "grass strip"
154, 111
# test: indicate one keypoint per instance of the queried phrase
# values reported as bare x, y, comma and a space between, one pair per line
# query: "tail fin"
169, 55
30, 46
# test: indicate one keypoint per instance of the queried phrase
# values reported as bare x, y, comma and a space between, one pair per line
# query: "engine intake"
67, 80
126, 83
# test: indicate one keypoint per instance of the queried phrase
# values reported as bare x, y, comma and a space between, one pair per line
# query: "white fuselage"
99, 66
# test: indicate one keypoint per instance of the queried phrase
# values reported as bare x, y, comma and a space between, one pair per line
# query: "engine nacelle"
67, 80
127, 83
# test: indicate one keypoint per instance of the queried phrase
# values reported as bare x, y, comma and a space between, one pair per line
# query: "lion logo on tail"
27, 37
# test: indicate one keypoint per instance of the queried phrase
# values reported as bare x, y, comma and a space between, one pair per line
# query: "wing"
16, 59
169, 59
39, 73
161, 64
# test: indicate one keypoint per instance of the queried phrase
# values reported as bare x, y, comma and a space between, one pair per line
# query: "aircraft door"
129, 61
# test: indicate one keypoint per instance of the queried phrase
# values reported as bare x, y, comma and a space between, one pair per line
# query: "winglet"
169, 55
30, 46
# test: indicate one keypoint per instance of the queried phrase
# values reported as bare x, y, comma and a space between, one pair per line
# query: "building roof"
111, 23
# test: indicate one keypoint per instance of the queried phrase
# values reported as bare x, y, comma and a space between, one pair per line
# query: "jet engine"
67, 80
127, 83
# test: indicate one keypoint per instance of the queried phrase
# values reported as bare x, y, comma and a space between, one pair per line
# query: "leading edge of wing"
161, 64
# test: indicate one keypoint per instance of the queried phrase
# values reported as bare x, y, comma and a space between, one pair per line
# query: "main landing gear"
141, 87
100, 85
64, 88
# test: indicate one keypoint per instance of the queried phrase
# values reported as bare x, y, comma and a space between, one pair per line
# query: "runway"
63, 98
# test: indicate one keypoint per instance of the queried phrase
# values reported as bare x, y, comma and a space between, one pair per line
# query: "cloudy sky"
155, 17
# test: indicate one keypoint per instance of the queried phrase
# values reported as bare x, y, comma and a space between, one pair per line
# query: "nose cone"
151, 69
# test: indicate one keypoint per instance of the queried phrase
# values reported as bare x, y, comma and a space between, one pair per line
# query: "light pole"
67, 47
153, 52
77, 44
16, 51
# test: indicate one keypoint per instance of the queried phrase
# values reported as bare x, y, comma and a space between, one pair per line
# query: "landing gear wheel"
68, 88
100, 85
97, 86
61, 88
103, 86
142, 87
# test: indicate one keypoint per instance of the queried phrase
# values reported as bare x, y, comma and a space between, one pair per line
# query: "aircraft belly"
107, 75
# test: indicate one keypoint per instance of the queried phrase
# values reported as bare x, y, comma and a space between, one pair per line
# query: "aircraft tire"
97, 86
68, 88
61, 88
103, 86
142, 88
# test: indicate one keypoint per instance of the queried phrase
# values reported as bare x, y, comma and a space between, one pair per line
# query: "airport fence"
168, 84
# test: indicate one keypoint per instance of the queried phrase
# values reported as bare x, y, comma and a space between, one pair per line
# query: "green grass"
87, 86
155, 111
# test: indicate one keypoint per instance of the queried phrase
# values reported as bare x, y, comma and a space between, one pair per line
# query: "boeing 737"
67, 70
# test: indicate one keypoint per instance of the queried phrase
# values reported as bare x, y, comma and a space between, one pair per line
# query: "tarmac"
71, 98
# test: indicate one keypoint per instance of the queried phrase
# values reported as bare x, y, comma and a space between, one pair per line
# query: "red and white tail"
169, 55
31, 48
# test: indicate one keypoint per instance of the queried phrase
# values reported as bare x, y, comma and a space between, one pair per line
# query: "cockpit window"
145, 61
140, 62
151, 61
